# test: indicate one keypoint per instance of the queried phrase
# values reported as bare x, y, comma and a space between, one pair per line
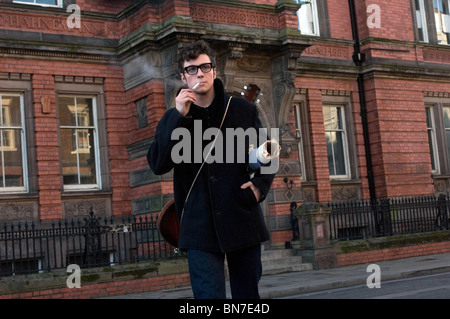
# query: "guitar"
168, 223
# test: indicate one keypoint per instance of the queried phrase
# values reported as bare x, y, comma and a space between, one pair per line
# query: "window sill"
85, 193
18, 196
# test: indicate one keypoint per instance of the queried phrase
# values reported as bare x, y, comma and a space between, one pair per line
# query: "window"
79, 142
438, 129
336, 138
13, 168
44, 3
431, 127
308, 21
442, 20
421, 21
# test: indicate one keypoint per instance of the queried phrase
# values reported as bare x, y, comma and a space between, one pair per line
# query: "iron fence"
386, 217
26, 247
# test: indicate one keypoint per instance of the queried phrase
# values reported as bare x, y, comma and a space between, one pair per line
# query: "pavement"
294, 283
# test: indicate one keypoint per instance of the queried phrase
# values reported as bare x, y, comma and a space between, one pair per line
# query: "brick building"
360, 91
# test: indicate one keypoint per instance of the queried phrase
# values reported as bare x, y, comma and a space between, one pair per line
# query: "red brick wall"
398, 133
104, 6
339, 16
47, 147
395, 23
107, 289
392, 254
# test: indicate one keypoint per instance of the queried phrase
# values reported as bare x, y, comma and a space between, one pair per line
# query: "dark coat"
218, 215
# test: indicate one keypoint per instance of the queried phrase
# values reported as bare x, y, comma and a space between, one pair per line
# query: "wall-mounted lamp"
289, 183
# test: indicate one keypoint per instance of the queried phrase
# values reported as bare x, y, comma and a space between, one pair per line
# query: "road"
424, 287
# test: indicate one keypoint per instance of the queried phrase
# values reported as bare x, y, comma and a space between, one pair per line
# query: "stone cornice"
57, 55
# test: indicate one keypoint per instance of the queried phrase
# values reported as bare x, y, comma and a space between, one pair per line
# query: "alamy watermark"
74, 19
74, 279
374, 19
374, 279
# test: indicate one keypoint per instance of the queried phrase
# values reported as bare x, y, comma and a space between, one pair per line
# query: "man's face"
202, 77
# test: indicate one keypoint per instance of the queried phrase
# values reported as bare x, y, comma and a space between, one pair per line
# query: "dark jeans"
207, 273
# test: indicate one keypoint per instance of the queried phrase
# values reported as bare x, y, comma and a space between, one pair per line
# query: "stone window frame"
21, 84
443, 156
329, 97
342, 98
88, 87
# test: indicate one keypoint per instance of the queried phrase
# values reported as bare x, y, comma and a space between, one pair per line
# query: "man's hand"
255, 190
184, 100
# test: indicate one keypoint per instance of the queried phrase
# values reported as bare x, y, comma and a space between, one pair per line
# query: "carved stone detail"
141, 111
227, 15
81, 208
284, 69
12, 211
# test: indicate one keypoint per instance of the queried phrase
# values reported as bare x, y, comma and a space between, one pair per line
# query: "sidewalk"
289, 284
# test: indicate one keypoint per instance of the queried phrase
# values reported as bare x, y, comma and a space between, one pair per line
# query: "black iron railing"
386, 217
29, 248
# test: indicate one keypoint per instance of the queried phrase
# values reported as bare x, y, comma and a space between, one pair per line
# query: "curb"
274, 292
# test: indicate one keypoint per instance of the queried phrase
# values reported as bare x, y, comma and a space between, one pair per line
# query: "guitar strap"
209, 153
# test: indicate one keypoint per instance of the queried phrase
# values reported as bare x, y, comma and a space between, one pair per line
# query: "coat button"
212, 178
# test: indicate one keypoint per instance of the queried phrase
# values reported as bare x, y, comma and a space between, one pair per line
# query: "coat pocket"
247, 198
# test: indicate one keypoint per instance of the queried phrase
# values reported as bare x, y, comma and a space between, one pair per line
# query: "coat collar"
218, 104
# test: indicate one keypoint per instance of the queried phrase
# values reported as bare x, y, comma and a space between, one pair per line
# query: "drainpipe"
359, 59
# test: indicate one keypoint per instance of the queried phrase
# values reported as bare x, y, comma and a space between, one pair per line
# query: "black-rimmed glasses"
193, 69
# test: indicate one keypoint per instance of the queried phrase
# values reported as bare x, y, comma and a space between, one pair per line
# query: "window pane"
326, 118
332, 118
78, 140
430, 142
11, 115
51, 2
84, 112
69, 156
336, 118
47, 2
336, 156
447, 137
335, 135
86, 156
442, 20
12, 158
428, 114
431, 138
446, 111
67, 111
11, 148
421, 21
329, 137
78, 165
339, 154
307, 20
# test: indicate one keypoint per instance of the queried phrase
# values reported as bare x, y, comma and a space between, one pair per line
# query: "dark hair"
192, 52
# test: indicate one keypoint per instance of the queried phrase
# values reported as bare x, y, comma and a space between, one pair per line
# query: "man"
219, 214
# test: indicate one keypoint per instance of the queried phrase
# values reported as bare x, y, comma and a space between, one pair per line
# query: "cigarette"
195, 86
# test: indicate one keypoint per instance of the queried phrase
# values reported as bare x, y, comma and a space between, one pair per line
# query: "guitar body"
168, 224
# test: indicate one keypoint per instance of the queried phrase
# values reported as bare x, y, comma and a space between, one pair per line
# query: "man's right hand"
184, 100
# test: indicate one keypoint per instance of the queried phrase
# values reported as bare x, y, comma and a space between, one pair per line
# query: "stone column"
314, 230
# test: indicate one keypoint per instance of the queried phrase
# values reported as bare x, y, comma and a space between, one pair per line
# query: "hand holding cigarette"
184, 100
